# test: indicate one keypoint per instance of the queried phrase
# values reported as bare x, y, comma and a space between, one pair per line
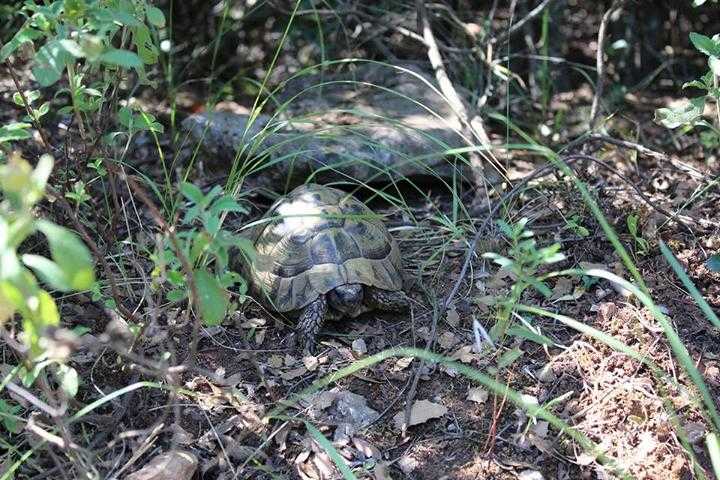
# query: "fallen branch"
473, 127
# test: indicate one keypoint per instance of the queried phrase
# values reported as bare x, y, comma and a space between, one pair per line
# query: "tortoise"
323, 254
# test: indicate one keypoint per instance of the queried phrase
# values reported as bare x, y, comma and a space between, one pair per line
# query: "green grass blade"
689, 285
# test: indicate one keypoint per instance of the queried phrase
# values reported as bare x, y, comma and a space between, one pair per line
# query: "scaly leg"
310, 321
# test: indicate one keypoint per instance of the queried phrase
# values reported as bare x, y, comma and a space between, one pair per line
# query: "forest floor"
247, 365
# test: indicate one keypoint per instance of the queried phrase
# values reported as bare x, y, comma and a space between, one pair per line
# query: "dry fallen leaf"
381, 471
407, 464
464, 354
421, 412
275, 361
402, 364
695, 431
453, 318
366, 448
546, 374
478, 395
294, 373
173, 465
447, 340
311, 363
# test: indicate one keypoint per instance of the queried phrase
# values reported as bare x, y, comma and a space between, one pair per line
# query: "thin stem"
73, 96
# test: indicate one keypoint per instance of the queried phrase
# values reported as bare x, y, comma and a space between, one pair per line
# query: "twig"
600, 64
30, 398
31, 426
643, 150
28, 108
97, 253
517, 26
187, 268
474, 127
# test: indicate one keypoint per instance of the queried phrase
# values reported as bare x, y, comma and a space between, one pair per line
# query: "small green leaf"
8, 419
121, 17
509, 357
47, 310
42, 171
70, 254
30, 96
714, 63
684, 115
122, 58
192, 192
695, 84
713, 263
69, 381
25, 34
176, 295
523, 332
50, 62
632, 223
705, 44
155, 16
213, 300
72, 48
14, 131
48, 271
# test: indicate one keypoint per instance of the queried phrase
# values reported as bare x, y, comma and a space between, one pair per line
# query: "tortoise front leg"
387, 300
310, 321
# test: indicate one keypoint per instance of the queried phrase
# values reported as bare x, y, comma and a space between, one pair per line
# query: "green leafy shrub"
690, 114
70, 267
202, 241
89, 40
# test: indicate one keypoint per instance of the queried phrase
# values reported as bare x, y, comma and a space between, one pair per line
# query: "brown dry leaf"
281, 437
546, 374
563, 286
275, 361
173, 465
447, 340
253, 323
294, 373
530, 475
464, 354
421, 412
402, 364
180, 436
407, 464
452, 318
695, 431
381, 471
311, 363
366, 448
478, 395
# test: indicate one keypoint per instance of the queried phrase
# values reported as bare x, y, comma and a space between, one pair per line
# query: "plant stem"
73, 96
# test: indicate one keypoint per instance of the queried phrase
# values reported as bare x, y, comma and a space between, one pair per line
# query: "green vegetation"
123, 236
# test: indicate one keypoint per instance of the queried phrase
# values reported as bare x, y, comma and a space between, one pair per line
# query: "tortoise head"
346, 299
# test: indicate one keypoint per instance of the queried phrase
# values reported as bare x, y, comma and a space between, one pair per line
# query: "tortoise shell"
317, 238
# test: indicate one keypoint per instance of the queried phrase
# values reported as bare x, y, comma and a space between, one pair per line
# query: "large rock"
370, 125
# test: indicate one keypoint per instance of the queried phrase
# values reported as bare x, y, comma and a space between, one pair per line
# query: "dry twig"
600, 63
